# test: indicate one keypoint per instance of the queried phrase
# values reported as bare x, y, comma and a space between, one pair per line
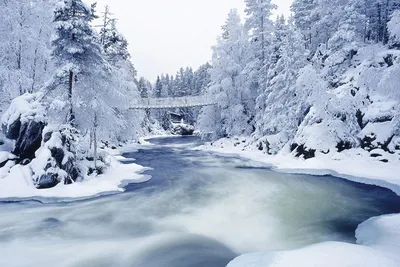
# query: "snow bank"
26, 107
19, 184
377, 245
354, 164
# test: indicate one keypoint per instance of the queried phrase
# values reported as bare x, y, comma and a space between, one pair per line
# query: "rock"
12, 132
343, 145
260, 146
72, 170
29, 140
58, 155
48, 180
183, 129
2, 164
301, 150
61, 164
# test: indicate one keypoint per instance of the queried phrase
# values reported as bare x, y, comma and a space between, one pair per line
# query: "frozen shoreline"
378, 238
18, 185
353, 165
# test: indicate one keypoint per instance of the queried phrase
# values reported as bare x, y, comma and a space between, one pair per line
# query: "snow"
355, 164
377, 245
394, 26
378, 239
26, 107
380, 109
382, 131
18, 183
4, 156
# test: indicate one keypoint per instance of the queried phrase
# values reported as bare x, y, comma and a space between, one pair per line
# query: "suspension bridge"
174, 102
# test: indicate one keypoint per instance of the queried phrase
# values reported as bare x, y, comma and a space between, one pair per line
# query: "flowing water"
199, 210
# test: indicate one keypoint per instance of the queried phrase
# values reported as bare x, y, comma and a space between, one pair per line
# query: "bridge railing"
186, 101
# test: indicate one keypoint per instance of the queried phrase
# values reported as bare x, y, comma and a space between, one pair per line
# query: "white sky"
165, 35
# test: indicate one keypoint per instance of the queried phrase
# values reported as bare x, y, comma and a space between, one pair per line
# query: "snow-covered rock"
54, 162
23, 122
182, 129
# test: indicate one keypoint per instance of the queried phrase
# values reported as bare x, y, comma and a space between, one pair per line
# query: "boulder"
302, 150
56, 159
12, 131
48, 180
183, 129
29, 140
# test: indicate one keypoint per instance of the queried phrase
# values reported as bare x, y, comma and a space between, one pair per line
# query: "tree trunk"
71, 115
95, 125
262, 35
95, 147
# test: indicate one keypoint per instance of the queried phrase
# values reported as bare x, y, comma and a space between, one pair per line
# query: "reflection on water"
198, 210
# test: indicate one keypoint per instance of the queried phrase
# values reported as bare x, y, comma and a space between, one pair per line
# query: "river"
198, 210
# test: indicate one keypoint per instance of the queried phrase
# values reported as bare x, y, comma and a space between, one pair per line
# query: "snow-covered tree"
260, 28
97, 92
229, 84
394, 30
304, 17
25, 27
114, 43
259, 24
286, 104
350, 32
202, 79
76, 49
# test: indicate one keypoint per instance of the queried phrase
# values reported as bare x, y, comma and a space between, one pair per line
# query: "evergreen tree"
304, 17
394, 30
260, 27
25, 47
158, 88
143, 87
76, 49
202, 79
114, 43
350, 32
229, 84
286, 104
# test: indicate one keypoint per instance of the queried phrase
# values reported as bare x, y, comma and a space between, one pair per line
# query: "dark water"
199, 210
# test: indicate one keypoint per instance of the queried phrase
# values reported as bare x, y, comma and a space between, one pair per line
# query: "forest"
294, 157
324, 80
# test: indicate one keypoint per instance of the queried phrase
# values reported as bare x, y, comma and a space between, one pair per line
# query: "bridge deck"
173, 102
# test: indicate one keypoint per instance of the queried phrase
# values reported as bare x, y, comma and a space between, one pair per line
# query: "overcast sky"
165, 35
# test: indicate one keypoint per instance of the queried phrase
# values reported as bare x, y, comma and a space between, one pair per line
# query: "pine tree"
76, 49
350, 32
114, 43
394, 30
304, 17
260, 27
158, 88
229, 84
25, 47
143, 87
285, 104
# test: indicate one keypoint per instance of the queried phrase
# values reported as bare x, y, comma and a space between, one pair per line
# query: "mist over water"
198, 210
